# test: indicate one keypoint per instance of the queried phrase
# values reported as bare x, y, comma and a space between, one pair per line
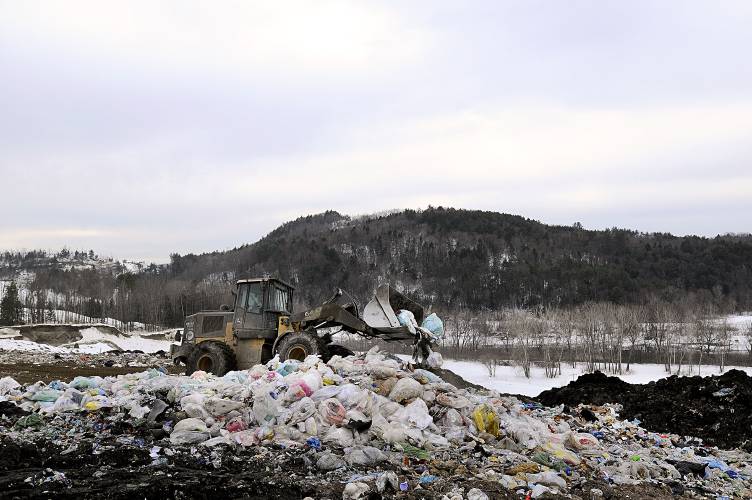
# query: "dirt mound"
717, 409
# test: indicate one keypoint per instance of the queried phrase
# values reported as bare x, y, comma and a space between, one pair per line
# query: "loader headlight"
189, 335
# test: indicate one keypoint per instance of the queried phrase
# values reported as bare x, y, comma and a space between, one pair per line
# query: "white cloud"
282, 38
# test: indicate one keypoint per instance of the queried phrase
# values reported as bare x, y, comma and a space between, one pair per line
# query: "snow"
29, 346
511, 379
93, 341
97, 339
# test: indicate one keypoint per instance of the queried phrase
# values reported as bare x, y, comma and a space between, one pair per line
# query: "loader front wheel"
211, 357
298, 346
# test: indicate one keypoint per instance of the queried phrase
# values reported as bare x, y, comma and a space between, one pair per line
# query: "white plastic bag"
404, 389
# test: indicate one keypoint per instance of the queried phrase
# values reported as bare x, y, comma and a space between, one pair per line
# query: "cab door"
248, 315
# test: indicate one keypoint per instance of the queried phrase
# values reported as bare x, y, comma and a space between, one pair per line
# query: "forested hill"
478, 259
446, 258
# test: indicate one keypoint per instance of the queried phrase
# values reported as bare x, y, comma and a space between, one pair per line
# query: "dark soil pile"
717, 409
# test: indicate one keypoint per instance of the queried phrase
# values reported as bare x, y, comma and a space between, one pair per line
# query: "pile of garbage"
717, 408
371, 423
107, 359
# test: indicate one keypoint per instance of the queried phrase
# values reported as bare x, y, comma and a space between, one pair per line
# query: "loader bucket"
381, 311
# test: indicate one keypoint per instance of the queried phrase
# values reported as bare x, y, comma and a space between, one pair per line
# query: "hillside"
484, 259
447, 258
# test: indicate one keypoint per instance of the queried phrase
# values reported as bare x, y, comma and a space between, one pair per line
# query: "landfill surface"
717, 409
30, 367
365, 426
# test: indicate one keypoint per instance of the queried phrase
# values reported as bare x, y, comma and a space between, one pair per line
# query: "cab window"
279, 299
255, 298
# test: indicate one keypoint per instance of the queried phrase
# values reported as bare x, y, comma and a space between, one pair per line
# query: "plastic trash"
7, 384
453, 400
404, 389
46, 395
355, 491
476, 494
32, 420
83, 383
219, 406
407, 318
339, 436
332, 411
157, 408
365, 455
582, 441
539, 490
329, 461
434, 360
265, 409
485, 420
548, 478
314, 442
387, 481
416, 415
433, 324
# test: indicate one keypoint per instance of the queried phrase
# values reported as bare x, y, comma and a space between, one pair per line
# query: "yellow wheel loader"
262, 324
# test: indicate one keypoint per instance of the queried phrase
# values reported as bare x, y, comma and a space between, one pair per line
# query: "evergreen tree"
10, 306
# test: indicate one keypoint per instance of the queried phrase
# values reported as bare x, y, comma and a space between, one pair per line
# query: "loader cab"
259, 305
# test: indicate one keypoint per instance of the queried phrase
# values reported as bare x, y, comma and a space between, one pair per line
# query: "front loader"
261, 324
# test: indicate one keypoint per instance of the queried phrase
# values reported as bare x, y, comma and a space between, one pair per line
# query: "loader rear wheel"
211, 357
298, 346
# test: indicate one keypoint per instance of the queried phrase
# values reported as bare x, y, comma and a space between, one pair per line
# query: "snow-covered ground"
510, 379
93, 341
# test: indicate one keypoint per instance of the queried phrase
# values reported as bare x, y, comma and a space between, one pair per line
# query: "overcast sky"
144, 128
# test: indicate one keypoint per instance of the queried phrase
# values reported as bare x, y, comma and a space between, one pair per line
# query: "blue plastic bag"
433, 324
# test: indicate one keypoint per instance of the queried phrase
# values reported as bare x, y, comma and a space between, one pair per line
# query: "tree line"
447, 259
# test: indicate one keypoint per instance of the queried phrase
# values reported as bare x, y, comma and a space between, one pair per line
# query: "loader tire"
337, 350
298, 346
211, 357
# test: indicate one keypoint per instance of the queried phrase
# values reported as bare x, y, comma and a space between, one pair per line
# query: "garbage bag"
219, 406
329, 391
581, 441
416, 415
188, 437
332, 411
364, 455
434, 360
433, 324
485, 420
8, 384
83, 383
338, 436
297, 390
265, 409
404, 389
547, 478
46, 395
355, 491
476, 494
301, 410
329, 461
407, 318
348, 395
426, 377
